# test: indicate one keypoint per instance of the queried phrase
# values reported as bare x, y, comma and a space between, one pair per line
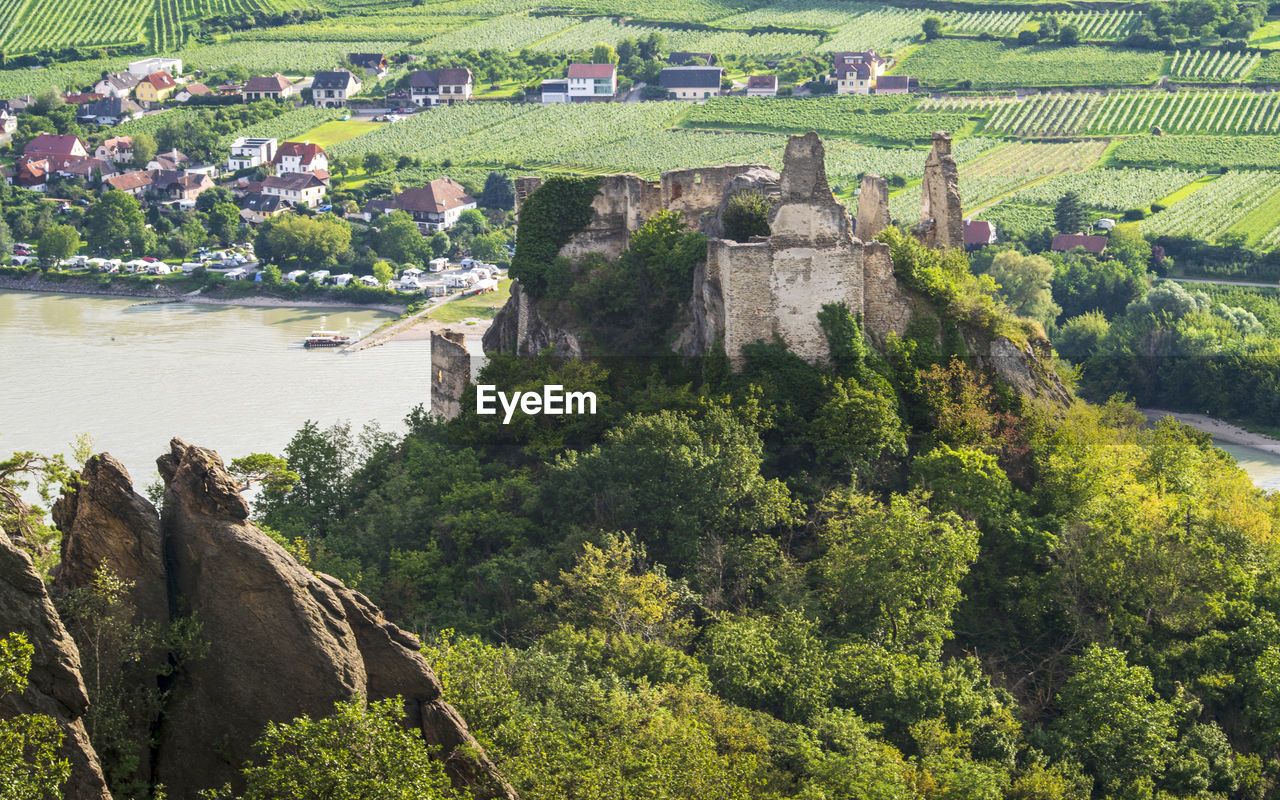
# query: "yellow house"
156, 88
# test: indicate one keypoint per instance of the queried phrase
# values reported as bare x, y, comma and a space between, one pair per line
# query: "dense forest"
888, 576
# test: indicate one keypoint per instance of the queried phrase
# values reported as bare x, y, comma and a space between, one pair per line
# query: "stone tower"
941, 215
873, 207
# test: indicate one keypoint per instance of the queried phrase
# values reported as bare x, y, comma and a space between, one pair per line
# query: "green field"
481, 306
992, 65
331, 133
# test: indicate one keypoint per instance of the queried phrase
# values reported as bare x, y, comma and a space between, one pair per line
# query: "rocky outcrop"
104, 521
873, 207
520, 328
941, 217
280, 640
54, 684
1023, 367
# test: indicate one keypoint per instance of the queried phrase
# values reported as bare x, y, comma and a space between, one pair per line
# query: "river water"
232, 378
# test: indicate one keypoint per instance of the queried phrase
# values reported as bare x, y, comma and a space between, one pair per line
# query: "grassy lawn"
1267, 37
1260, 221
484, 306
331, 133
1186, 190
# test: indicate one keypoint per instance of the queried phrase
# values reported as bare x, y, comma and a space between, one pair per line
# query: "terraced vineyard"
30, 25
1101, 25
1200, 152
1213, 65
837, 116
1018, 219
294, 58
1108, 189
508, 34
1004, 169
584, 36
1043, 115
1231, 111
1211, 210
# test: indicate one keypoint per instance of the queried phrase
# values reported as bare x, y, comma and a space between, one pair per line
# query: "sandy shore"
1224, 432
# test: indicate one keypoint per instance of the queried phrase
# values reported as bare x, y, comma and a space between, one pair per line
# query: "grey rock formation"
873, 207
941, 215
520, 328
54, 685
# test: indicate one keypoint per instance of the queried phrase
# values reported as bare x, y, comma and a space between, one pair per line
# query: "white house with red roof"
435, 207
297, 187
592, 82
300, 157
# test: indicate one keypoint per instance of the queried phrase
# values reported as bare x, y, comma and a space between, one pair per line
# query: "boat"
326, 339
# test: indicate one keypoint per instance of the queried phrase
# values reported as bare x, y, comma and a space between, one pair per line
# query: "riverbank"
1221, 431
157, 291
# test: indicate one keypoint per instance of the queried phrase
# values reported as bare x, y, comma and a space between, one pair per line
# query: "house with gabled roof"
297, 187
691, 83
110, 111
978, 233
857, 72
300, 157
155, 88
117, 84
371, 63
434, 207
136, 183
762, 86
332, 89
588, 82
266, 87
1066, 242
432, 87
53, 144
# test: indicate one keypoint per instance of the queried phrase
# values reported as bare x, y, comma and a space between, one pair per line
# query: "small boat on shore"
326, 339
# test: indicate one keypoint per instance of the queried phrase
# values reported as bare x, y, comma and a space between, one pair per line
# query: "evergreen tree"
1069, 213
499, 192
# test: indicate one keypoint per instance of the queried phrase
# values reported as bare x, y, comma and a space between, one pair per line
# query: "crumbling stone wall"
450, 372
887, 305
941, 215
621, 206
698, 192
525, 185
873, 207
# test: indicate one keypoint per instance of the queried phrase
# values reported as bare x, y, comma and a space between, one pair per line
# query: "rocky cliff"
54, 685
282, 641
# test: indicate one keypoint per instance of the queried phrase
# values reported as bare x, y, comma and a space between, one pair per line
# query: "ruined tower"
873, 207
941, 215
450, 372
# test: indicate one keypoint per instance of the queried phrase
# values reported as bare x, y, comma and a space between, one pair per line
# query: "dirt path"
1222, 431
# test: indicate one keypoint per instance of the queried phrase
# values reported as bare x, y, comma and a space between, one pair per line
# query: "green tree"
489, 247
1080, 336
855, 429
271, 275
213, 196
383, 272
1069, 36
746, 215
59, 242
775, 664
308, 242
400, 240
892, 573
1024, 284
144, 149
932, 28
1069, 213
374, 162
440, 244
30, 765
1114, 724
224, 222
269, 471
359, 753
499, 192
604, 54
114, 223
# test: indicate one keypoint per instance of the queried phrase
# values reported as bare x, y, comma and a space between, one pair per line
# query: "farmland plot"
508, 34
1231, 111
30, 25
1044, 115
1101, 25
991, 65
297, 58
1109, 189
838, 116
1213, 65
1018, 219
1201, 152
1210, 211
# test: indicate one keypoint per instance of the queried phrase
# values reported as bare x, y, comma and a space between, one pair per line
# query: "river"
232, 378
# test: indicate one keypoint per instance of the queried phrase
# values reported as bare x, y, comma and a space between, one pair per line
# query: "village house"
116, 84
192, 90
300, 157
180, 186
682, 58
298, 187
434, 207
16, 105
1066, 242
555, 90
374, 64
248, 152
172, 160
691, 83
86, 169
81, 98
8, 122
147, 66
31, 172
110, 111
266, 87
592, 82
256, 207
431, 87
856, 73
896, 84
57, 145
155, 88
762, 86
333, 89
135, 183
978, 234
118, 149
